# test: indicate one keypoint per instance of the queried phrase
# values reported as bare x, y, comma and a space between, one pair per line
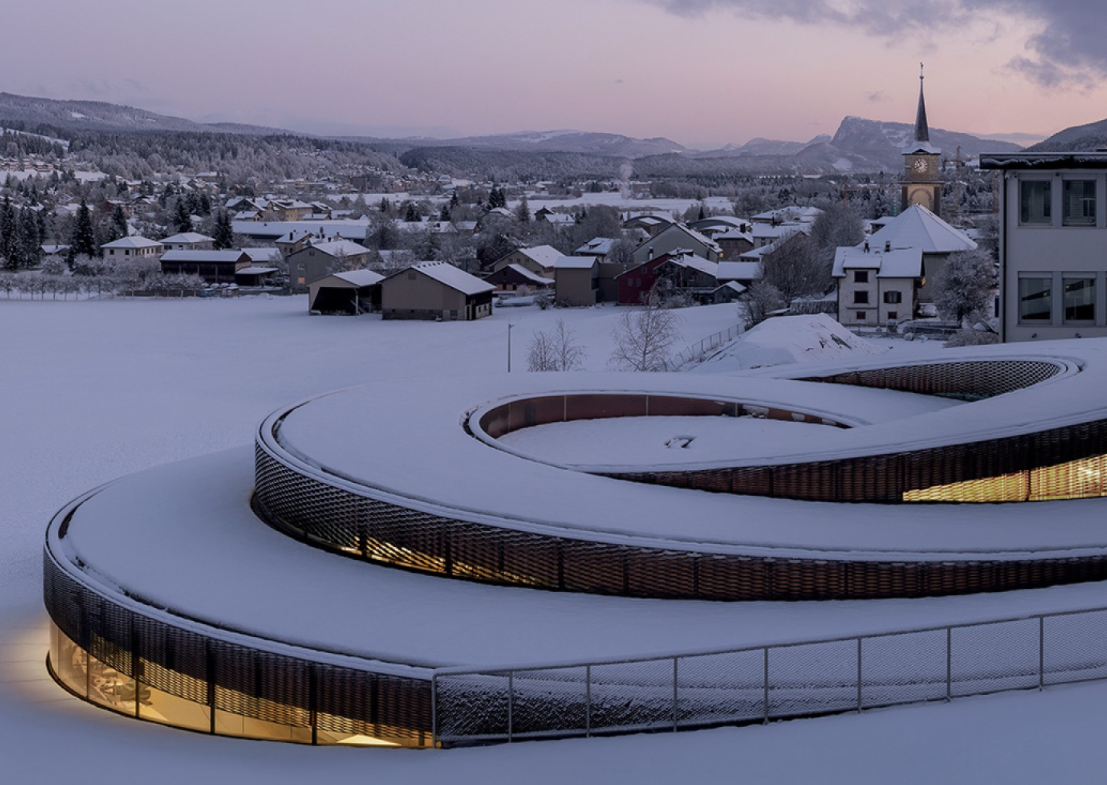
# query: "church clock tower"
921, 182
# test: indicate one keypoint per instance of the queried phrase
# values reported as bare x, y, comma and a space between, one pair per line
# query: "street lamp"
509, 326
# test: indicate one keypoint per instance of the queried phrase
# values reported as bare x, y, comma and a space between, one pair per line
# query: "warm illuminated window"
1035, 299
1034, 201
1079, 299
1079, 203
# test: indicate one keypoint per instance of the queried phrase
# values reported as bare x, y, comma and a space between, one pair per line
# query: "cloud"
876, 98
1067, 51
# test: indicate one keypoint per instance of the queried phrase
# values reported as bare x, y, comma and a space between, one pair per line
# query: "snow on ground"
789, 339
94, 390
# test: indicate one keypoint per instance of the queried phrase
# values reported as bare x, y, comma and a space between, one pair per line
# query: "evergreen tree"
223, 231
444, 214
454, 201
411, 215
119, 227
29, 239
7, 232
522, 212
83, 240
182, 220
384, 205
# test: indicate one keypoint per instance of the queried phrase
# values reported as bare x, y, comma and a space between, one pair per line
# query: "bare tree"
964, 285
644, 336
557, 350
761, 299
795, 269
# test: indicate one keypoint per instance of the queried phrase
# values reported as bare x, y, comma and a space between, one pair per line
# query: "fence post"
675, 715
766, 694
949, 663
510, 705
859, 674
587, 701
434, 710
1041, 652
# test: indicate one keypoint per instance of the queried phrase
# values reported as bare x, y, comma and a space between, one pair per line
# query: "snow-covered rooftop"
917, 227
188, 238
132, 242
892, 263
453, 277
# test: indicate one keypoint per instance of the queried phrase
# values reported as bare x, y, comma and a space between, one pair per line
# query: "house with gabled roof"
576, 280
435, 291
677, 236
318, 258
918, 227
540, 260
516, 276
678, 271
133, 247
877, 284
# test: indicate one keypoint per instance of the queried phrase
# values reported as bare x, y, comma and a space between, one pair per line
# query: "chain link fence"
686, 692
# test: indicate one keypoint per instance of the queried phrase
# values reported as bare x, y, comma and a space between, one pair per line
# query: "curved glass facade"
94, 680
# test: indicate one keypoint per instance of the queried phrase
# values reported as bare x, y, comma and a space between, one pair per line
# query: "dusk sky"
697, 71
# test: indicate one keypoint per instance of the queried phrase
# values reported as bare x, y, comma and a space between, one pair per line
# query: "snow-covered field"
94, 390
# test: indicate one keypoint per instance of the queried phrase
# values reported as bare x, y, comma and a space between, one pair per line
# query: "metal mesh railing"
700, 349
690, 691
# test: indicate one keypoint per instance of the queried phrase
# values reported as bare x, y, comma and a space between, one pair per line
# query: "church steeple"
922, 183
922, 131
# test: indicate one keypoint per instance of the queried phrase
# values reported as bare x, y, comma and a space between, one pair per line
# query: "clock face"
920, 164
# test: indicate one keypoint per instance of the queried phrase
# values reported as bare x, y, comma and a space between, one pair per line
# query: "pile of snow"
789, 339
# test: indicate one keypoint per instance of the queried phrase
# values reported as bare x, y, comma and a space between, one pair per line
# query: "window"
862, 315
1036, 299
893, 314
860, 276
1034, 201
893, 298
1079, 299
861, 297
1079, 203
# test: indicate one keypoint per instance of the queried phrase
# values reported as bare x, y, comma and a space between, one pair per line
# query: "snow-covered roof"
188, 238
359, 278
133, 242
203, 256
917, 227
689, 260
733, 286
597, 246
545, 255
256, 271
453, 277
260, 254
788, 214
738, 271
893, 263
340, 247
294, 236
575, 263
531, 275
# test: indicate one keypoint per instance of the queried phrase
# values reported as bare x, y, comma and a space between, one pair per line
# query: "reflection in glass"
1080, 299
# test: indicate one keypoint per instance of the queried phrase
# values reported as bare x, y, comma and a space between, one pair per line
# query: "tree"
83, 239
223, 231
644, 336
963, 287
28, 239
795, 269
556, 350
444, 214
761, 299
522, 212
8, 226
182, 219
119, 226
836, 226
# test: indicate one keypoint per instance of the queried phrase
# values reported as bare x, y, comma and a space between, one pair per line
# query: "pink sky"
696, 71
